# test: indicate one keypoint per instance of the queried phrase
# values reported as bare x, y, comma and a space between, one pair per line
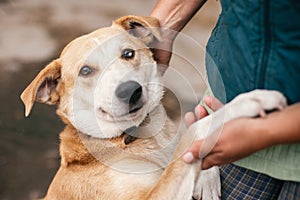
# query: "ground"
33, 32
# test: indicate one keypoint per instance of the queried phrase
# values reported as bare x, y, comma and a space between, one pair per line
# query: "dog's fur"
98, 161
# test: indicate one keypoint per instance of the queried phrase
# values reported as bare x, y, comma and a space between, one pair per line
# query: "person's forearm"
175, 14
281, 127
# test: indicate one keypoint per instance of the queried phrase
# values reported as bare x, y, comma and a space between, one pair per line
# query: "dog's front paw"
208, 185
256, 102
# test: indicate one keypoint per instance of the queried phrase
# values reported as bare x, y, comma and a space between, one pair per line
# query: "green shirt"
256, 45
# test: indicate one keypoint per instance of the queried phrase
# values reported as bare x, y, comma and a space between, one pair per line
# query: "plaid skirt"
242, 184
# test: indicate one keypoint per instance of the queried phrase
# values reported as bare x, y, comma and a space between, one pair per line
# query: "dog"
118, 142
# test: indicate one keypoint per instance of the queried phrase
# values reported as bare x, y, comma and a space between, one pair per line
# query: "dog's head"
104, 82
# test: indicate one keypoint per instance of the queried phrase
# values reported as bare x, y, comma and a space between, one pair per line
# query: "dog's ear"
43, 87
145, 28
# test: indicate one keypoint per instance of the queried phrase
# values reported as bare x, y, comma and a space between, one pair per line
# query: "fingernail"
188, 157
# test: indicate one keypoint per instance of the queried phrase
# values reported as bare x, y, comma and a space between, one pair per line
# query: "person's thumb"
201, 148
193, 152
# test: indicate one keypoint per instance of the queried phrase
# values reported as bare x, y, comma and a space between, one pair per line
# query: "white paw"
256, 102
208, 185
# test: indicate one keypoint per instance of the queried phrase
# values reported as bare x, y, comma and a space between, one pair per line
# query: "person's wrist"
168, 27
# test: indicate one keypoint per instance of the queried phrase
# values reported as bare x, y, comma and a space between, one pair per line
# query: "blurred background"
34, 32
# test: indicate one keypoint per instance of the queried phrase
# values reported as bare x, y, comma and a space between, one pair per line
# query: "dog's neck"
79, 148
152, 125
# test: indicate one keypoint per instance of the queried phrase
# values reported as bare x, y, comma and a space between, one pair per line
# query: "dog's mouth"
133, 112
134, 109
129, 135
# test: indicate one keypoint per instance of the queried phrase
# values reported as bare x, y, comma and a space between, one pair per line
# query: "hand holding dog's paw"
208, 185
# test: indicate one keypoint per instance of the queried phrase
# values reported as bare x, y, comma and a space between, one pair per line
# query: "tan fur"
95, 161
81, 176
99, 165
52, 71
147, 22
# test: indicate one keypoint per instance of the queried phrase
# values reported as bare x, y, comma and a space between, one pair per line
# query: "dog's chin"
105, 125
125, 115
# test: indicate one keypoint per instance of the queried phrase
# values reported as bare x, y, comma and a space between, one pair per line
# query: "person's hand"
226, 145
235, 140
200, 111
172, 15
162, 50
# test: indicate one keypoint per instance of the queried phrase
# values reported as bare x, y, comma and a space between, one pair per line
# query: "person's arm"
173, 15
242, 137
281, 127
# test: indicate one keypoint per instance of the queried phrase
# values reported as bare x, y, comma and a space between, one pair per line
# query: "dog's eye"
128, 54
85, 71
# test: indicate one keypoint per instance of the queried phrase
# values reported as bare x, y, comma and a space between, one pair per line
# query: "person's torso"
255, 45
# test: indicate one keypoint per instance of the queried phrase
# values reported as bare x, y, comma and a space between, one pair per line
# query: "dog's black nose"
129, 92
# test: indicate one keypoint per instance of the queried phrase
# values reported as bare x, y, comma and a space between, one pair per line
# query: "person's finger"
201, 148
208, 162
200, 112
189, 118
213, 103
193, 152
